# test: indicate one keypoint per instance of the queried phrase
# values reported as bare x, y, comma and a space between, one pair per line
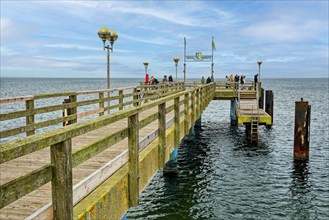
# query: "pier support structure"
261, 98
234, 120
269, 103
302, 130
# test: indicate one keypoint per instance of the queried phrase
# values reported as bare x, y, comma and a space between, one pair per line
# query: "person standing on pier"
164, 80
208, 80
256, 80
202, 79
146, 78
170, 78
227, 81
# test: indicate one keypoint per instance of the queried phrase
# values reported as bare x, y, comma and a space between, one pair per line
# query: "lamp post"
110, 35
259, 63
146, 64
176, 60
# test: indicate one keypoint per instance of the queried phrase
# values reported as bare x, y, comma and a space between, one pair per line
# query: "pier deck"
98, 166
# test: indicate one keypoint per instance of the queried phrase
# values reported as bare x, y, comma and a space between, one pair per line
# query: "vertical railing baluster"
101, 103
162, 134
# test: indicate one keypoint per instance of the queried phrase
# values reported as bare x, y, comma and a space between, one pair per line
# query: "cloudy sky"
59, 38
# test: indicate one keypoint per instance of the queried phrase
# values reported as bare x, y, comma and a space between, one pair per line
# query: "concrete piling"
302, 130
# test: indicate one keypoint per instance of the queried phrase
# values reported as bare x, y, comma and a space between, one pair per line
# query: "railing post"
73, 110
133, 150
29, 104
61, 183
186, 113
135, 97
197, 103
162, 134
193, 106
176, 122
120, 99
101, 103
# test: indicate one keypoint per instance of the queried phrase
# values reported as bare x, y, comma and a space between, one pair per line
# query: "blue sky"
59, 38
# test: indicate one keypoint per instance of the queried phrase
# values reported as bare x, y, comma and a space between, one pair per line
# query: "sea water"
222, 176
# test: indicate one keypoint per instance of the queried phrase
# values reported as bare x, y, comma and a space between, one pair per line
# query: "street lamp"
259, 63
110, 35
146, 64
176, 60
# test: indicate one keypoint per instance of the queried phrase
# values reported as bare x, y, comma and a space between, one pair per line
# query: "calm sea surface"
221, 176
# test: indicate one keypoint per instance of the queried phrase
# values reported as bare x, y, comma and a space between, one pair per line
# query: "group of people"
154, 80
207, 81
238, 79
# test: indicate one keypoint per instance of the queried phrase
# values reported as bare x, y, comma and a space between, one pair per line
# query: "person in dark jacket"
208, 80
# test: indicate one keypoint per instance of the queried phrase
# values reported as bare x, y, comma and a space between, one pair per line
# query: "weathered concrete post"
162, 134
120, 99
261, 99
302, 130
29, 104
233, 112
101, 103
269, 103
133, 168
171, 166
61, 183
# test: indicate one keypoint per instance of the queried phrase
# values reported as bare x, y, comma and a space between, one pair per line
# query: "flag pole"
212, 59
184, 59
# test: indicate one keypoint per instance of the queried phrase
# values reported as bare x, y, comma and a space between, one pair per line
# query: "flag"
213, 45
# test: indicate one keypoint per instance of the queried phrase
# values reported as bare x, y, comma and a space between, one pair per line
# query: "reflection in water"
300, 188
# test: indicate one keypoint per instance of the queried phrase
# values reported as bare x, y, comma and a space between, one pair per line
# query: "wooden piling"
133, 151
162, 134
302, 130
61, 183
269, 103
29, 104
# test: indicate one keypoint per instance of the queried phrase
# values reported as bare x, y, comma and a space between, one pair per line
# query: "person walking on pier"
208, 80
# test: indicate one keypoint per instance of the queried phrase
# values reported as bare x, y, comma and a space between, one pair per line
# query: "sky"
59, 38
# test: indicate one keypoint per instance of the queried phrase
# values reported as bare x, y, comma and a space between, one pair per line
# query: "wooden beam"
29, 104
176, 122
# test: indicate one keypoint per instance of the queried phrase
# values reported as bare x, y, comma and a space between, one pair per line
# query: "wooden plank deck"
27, 205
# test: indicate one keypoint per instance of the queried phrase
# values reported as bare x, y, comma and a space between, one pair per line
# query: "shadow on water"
300, 189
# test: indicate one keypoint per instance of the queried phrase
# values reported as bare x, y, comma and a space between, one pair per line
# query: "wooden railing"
49, 110
63, 159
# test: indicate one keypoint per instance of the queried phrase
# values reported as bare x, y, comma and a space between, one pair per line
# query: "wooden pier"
96, 167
